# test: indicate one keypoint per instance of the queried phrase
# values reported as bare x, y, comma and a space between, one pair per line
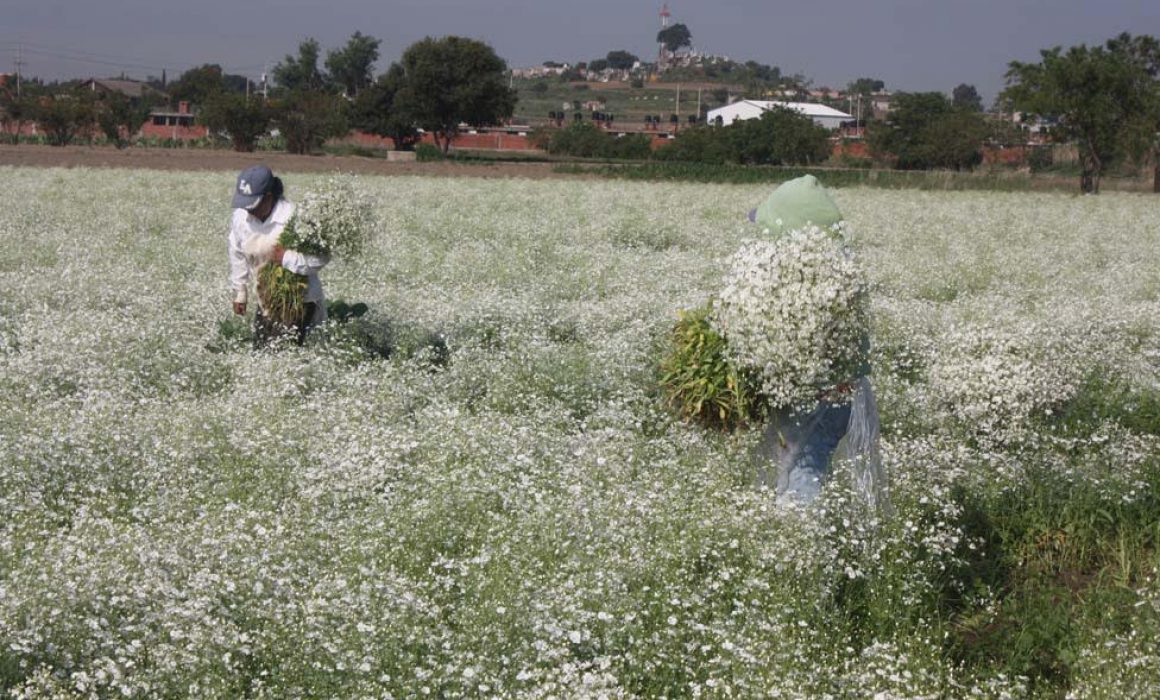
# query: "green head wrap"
797, 203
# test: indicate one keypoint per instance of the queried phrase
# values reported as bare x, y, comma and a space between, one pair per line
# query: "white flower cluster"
795, 310
334, 218
528, 522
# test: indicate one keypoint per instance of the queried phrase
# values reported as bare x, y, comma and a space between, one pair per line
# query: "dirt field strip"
193, 159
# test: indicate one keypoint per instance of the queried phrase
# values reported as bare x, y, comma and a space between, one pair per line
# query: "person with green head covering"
795, 204
800, 442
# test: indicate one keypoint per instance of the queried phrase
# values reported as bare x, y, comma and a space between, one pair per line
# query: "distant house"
825, 116
133, 89
179, 126
880, 102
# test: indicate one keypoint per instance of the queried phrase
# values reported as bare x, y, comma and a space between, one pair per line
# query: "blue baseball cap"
253, 183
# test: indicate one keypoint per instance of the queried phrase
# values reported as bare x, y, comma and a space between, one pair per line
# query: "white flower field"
519, 516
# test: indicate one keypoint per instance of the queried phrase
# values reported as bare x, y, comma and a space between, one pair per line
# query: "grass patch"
833, 177
1058, 559
1105, 397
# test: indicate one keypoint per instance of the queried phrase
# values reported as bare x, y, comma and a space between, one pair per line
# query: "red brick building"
179, 126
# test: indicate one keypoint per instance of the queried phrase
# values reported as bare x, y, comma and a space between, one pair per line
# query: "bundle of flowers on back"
332, 221
794, 310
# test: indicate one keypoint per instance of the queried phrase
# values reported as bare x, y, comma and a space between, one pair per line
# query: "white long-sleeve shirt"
243, 227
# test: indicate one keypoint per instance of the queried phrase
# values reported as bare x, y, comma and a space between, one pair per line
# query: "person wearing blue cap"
261, 211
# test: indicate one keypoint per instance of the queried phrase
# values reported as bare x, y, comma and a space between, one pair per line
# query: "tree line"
436, 85
1104, 99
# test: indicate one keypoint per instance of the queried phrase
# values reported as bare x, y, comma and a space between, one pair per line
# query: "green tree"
16, 111
120, 118
1140, 138
1097, 95
378, 111
781, 136
621, 60
701, 144
597, 65
967, 97
865, 86
453, 80
675, 37
197, 84
242, 119
300, 73
924, 130
953, 140
235, 83
306, 119
64, 117
350, 67
587, 140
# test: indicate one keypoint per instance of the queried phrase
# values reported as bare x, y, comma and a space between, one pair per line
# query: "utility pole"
19, 67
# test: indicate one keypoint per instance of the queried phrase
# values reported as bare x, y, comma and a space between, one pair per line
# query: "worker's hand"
277, 253
240, 308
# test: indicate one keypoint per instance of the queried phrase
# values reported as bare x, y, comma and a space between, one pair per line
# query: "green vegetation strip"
833, 177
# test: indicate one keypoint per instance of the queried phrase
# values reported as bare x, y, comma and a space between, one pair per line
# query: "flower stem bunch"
794, 311
333, 220
699, 381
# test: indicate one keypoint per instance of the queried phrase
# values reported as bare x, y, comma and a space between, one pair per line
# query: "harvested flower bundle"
331, 221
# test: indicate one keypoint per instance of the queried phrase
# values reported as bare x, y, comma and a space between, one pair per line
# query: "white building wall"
826, 117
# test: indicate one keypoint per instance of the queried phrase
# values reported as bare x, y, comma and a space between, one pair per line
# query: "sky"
912, 45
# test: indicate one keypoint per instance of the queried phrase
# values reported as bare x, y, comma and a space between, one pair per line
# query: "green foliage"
1098, 94
197, 84
621, 60
243, 119
64, 117
924, 130
15, 112
120, 118
428, 153
586, 140
675, 37
966, 97
780, 137
1104, 397
747, 174
698, 380
700, 144
283, 294
453, 80
377, 110
307, 119
301, 73
1063, 559
350, 66
865, 86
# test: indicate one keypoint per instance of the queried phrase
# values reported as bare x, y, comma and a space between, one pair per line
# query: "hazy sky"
910, 44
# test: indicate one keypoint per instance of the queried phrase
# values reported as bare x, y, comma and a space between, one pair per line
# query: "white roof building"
752, 109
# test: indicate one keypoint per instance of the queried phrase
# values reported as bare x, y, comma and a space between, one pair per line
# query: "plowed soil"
194, 159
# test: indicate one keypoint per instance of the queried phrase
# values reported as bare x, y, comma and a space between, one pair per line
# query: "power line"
94, 58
